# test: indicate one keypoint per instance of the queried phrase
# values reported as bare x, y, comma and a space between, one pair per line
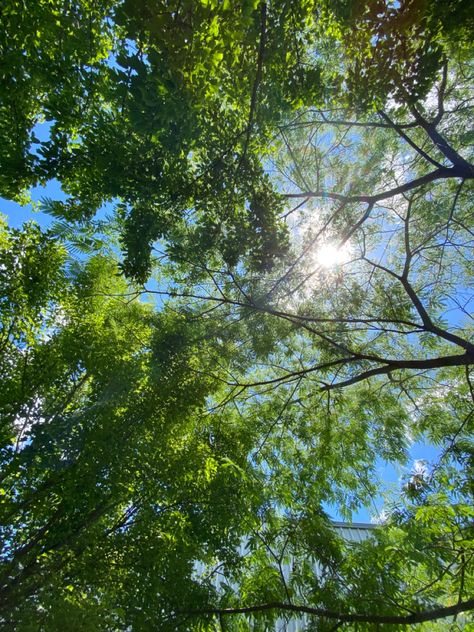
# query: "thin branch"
406, 138
428, 323
441, 93
295, 208
439, 612
396, 365
443, 173
347, 123
442, 144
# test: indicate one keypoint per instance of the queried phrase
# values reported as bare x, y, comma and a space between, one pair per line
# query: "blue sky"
17, 215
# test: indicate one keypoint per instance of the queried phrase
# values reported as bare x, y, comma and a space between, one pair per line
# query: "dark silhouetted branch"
440, 612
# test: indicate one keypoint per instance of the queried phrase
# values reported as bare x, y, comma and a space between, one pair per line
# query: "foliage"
278, 303
109, 474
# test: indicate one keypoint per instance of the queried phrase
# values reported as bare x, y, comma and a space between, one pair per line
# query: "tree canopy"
255, 290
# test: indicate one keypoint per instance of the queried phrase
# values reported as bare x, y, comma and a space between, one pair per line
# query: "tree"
304, 208
108, 476
183, 100
372, 353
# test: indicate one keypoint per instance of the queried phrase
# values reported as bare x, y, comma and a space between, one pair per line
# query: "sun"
330, 255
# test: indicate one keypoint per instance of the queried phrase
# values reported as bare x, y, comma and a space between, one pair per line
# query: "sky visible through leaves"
393, 476
236, 255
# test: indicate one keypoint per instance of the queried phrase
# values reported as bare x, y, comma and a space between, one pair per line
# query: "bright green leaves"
113, 474
30, 268
137, 89
52, 55
136, 95
394, 50
141, 442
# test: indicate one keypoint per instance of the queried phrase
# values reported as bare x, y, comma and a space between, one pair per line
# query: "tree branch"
439, 612
258, 79
396, 365
346, 123
428, 323
406, 138
443, 173
441, 143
